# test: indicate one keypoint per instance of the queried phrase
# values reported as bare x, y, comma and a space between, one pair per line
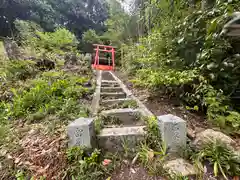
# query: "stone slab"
129, 94
118, 103
111, 89
126, 116
109, 82
110, 102
81, 132
112, 139
117, 95
107, 76
173, 131
110, 85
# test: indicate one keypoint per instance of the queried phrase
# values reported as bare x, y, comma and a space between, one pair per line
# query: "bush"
85, 164
191, 60
60, 40
52, 92
224, 160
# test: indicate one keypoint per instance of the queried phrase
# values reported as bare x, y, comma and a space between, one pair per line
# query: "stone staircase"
122, 119
121, 115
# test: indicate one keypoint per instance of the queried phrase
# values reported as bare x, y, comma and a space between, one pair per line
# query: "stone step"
109, 82
111, 89
118, 103
106, 83
107, 76
127, 116
113, 139
110, 85
115, 101
115, 95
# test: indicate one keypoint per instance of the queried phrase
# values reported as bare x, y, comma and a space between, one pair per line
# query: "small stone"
180, 166
210, 135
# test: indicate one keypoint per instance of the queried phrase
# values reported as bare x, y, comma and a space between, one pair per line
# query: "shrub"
85, 164
50, 93
187, 57
224, 160
60, 40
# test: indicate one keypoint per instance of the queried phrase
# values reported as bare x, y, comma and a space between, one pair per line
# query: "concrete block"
81, 132
173, 131
126, 116
110, 102
106, 83
111, 89
106, 75
112, 139
110, 85
109, 82
118, 103
114, 95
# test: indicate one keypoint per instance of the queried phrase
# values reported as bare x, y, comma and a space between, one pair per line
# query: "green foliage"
90, 36
49, 95
153, 137
77, 16
224, 160
61, 39
187, 56
20, 70
26, 29
85, 165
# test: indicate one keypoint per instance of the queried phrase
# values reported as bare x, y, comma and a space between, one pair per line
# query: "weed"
111, 120
85, 165
128, 151
153, 137
98, 124
224, 160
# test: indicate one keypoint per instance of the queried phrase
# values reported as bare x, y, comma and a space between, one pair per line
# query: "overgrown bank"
189, 57
45, 87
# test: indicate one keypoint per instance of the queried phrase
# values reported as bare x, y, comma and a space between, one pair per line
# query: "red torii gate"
106, 49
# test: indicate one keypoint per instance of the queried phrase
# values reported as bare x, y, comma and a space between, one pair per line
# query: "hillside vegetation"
185, 55
173, 48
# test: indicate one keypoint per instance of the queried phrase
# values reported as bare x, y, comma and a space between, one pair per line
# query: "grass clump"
46, 95
88, 165
224, 161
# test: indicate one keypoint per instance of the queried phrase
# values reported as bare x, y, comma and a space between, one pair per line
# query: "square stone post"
81, 132
173, 131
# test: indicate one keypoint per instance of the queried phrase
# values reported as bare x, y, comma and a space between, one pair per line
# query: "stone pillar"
81, 132
173, 131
